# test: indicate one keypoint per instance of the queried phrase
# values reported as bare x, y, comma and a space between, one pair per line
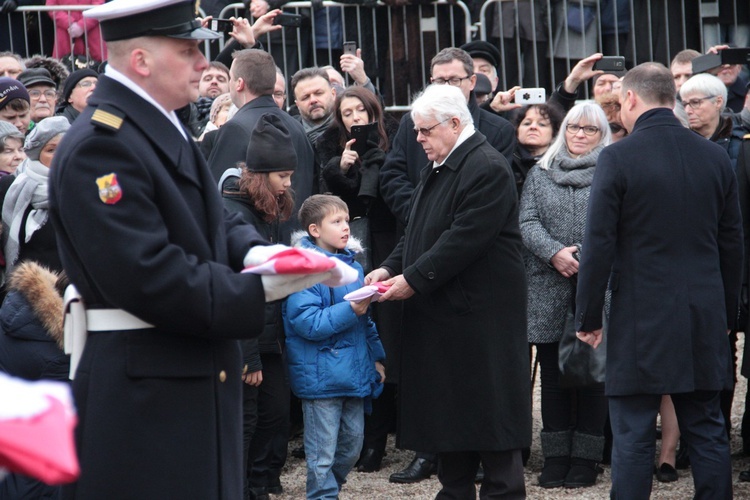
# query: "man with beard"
314, 97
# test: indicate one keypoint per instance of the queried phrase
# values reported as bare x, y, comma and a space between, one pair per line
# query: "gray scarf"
315, 130
575, 172
29, 189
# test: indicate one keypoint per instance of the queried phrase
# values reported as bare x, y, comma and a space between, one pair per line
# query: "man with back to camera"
156, 260
665, 232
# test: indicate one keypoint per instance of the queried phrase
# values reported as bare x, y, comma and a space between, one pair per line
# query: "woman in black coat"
354, 179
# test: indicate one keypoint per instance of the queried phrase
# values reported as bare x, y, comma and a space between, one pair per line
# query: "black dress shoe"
418, 470
666, 473
298, 452
370, 460
745, 476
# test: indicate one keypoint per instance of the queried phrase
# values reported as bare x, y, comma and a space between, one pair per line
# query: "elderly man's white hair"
441, 102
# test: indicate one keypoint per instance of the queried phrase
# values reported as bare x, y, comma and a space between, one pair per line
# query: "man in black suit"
665, 232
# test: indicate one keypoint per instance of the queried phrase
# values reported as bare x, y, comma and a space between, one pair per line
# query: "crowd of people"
483, 231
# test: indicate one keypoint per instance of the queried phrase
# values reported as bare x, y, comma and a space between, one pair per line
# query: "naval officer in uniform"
144, 236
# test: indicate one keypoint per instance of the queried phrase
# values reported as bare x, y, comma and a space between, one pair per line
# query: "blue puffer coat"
331, 351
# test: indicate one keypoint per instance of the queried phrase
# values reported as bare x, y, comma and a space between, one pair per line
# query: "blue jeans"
334, 431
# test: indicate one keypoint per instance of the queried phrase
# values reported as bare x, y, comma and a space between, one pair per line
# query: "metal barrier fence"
539, 40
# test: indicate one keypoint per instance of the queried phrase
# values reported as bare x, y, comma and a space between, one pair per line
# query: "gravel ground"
376, 486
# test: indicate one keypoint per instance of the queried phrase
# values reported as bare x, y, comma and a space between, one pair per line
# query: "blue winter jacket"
331, 351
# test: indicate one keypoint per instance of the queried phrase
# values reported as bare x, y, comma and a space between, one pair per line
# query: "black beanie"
73, 79
270, 148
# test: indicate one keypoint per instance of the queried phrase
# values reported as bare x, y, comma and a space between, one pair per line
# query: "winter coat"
465, 361
729, 136
552, 217
272, 338
330, 350
162, 247
90, 42
31, 320
664, 231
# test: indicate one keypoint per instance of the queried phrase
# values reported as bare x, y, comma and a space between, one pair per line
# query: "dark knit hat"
11, 89
270, 148
483, 50
36, 76
73, 79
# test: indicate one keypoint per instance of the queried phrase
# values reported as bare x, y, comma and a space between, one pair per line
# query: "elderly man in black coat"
464, 390
664, 230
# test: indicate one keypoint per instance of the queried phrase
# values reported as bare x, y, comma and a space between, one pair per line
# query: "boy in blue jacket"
334, 353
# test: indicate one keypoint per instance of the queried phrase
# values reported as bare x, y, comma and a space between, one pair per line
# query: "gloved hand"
374, 155
278, 286
75, 30
8, 6
261, 253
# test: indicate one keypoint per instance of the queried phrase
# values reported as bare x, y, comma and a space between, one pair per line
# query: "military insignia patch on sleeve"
109, 189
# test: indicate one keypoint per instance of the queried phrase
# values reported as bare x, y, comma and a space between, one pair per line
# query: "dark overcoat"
664, 229
465, 362
400, 173
141, 227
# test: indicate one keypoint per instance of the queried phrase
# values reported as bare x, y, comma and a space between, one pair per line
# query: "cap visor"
198, 34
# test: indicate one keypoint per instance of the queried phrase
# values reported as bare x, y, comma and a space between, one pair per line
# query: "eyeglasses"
426, 132
616, 128
86, 83
696, 103
588, 129
36, 94
455, 81
279, 95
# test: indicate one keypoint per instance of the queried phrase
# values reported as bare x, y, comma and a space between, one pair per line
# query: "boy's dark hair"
19, 105
316, 207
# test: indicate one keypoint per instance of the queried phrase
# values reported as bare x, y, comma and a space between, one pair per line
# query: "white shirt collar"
467, 132
121, 78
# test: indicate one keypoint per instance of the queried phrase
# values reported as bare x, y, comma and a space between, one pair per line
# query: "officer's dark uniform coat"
159, 409
465, 363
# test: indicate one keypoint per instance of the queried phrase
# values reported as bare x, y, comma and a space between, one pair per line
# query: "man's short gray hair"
441, 102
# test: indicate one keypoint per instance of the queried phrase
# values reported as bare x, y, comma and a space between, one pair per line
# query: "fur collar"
37, 284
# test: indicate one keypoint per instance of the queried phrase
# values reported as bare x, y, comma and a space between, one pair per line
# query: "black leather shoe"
369, 460
745, 476
666, 473
418, 470
298, 452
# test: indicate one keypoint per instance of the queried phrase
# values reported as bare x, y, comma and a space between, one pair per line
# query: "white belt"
79, 321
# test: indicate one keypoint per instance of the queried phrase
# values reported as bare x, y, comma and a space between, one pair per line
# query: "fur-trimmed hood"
31, 289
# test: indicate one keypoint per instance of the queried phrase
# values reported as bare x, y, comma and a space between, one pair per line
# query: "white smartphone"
531, 96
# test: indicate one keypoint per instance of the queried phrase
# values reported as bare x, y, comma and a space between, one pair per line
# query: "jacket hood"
301, 239
34, 285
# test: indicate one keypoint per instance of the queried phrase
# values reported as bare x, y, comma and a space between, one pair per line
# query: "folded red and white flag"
286, 270
374, 290
36, 430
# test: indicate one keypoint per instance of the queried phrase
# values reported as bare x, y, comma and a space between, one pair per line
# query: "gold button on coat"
223, 376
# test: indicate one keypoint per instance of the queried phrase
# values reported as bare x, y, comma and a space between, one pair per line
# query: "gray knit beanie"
42, 133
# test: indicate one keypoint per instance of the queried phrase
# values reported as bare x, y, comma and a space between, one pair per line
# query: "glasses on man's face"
427, 131
696, 102
86, 83
279, 95
36, 94
587, 129
455, 81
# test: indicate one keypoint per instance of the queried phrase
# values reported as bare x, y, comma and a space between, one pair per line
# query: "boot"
585, 454
556, 450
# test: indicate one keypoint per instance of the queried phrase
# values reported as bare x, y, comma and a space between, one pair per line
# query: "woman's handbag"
580, 364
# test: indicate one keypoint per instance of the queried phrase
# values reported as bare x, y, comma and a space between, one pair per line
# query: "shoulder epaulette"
746, 137
108, 117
